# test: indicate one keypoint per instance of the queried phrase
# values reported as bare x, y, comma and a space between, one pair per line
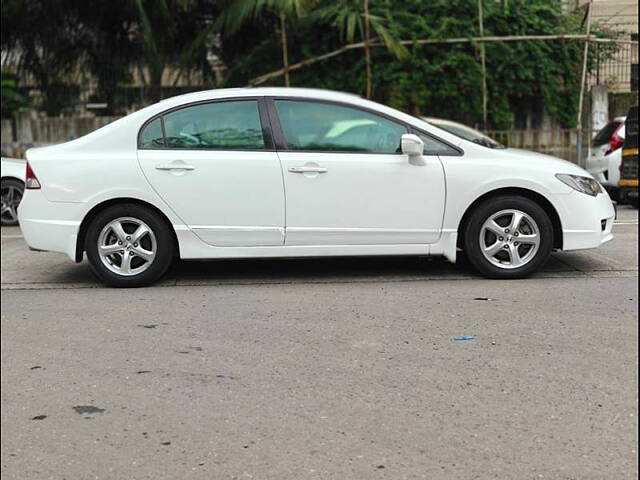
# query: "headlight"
582, 184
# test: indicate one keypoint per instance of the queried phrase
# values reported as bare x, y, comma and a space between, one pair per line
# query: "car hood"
547, 162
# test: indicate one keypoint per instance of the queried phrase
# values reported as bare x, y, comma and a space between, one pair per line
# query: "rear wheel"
508, 237
12, 191
129, 245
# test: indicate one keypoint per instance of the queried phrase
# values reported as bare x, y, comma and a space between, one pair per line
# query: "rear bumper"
41, 233
586, 221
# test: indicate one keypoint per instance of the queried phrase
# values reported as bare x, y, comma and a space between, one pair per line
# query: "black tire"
633, 202
488, 208
10, 218
164, 245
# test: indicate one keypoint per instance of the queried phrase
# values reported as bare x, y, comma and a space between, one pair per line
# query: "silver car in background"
12, 173
605, 156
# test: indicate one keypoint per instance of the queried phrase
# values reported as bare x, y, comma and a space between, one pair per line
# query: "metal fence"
30, 130
614, 70
556, 142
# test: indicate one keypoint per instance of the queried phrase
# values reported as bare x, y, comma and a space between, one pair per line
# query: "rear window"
604, 135
222, 125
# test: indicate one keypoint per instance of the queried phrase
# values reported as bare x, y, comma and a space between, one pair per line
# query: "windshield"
467, 133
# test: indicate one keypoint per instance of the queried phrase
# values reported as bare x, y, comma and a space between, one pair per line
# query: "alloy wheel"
127, 246
509, 239
11, 196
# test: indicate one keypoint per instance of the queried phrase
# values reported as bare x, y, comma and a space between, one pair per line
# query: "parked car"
606, 155
464, 131
273, 172
629, 167
12, 185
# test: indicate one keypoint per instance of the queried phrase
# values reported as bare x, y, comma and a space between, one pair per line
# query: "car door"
346, 181
215, 166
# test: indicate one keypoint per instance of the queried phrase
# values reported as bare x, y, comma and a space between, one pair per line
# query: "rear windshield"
604, 135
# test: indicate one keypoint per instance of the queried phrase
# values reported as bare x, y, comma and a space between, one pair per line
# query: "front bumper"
587, 221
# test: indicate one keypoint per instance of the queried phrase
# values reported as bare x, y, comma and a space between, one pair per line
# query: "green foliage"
239, 12
171, 33
12, 99
49, 45
348, 17
62, 43
442, 80
108, 47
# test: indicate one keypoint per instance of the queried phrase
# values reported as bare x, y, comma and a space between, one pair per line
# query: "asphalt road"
322, 369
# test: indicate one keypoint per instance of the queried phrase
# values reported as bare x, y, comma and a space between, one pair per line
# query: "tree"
47, 45
166, 37
352, 20
240, 11
12, 99
108, 49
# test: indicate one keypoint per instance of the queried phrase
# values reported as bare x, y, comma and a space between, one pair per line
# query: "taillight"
616, 141
31, 181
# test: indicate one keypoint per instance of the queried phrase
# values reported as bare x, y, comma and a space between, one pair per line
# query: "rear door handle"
308, 170
176, 165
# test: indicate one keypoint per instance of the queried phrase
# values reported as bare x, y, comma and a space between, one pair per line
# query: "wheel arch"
95, 210
11, 177
523, 192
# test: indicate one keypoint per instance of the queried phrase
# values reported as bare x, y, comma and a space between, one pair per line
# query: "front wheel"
508, 237
129, 245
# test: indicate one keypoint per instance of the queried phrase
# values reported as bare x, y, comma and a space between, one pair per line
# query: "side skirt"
192, 248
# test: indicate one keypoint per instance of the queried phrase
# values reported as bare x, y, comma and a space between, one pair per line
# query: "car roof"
261, 92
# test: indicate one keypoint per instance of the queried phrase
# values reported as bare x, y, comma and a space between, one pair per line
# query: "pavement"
322, 369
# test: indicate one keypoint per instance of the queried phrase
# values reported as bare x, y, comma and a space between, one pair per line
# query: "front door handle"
308, 170
176, 165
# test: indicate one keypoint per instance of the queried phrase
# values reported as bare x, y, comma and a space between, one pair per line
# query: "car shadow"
316, 269
62, 274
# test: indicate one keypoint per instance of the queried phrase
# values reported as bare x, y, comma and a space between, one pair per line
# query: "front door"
213, 166
347, 183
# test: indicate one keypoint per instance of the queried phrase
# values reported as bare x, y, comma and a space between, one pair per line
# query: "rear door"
215, 165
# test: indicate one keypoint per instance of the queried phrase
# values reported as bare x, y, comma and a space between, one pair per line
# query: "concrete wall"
28, 129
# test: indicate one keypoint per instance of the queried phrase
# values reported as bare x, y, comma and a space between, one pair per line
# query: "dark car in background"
629, 167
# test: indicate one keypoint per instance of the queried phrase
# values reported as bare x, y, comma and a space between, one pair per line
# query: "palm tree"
352, 20
240, 11
166, 36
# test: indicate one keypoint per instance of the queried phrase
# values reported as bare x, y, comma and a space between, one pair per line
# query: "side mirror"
413, 146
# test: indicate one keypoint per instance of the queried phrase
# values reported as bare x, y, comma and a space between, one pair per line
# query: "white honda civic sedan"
299, 173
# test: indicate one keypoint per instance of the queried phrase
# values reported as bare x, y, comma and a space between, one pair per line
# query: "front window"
327, 127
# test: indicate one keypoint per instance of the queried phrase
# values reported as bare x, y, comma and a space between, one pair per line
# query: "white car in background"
605, 156
286, 172
463, 131
12, 172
